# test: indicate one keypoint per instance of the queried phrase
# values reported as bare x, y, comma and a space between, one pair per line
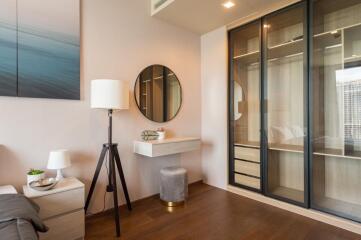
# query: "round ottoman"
173, 186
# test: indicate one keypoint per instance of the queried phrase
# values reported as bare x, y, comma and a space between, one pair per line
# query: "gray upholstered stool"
173, 186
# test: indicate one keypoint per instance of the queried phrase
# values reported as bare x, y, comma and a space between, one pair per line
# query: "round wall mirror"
158, 93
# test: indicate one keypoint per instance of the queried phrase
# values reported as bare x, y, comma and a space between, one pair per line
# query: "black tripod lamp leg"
122, 178
95, 178
115, 192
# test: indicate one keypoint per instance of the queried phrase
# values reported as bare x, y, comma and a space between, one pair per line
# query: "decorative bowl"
43, 184
33, 178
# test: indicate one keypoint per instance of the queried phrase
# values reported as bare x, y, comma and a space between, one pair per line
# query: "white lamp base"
59, 175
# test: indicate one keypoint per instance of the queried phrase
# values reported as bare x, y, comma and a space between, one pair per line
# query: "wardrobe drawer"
247, 181
250, 154
247, 168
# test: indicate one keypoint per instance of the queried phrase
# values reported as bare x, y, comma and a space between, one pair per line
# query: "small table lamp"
58, 160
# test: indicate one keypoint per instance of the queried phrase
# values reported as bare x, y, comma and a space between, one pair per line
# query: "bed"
18, 216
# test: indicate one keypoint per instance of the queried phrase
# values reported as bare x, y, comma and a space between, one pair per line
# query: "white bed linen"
7, 190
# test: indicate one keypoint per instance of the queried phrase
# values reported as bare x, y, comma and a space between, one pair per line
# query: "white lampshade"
59, 159
109, 94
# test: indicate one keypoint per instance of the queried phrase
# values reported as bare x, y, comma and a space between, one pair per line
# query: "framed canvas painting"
8, 48
40, 48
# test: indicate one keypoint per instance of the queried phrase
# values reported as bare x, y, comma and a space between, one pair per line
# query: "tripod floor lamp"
111, 95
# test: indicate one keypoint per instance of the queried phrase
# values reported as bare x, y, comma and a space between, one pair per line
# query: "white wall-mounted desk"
168, 146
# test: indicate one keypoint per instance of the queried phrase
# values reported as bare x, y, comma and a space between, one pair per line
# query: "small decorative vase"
161, 135
32, 178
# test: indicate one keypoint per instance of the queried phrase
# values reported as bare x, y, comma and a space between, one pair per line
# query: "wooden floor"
211, 214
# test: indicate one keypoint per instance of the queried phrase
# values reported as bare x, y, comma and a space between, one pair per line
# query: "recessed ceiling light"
228, 4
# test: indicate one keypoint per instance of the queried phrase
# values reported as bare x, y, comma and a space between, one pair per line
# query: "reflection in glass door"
336, 140
285, 81
245, 106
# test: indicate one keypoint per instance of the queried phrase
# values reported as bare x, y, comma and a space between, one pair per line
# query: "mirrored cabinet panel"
284, 99
245, 112
336, 138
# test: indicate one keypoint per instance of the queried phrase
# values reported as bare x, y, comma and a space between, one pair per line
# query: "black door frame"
230, 120
263, 107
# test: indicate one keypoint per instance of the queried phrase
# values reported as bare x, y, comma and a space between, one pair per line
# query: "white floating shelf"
168, 146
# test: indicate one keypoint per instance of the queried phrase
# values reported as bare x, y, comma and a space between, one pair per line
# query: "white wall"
119, 39
214, 107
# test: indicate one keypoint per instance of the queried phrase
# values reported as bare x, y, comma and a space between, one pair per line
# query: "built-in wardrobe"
295, 106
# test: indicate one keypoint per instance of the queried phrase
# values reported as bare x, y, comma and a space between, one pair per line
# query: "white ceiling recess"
202, 16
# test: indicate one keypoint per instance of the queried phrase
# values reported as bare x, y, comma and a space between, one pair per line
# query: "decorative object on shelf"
161, 133
35, 175
173, 186
40, 49
59, 160
43, 184
110, 95
158, 93
148, 135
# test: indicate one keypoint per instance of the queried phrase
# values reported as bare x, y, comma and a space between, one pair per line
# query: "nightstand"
61, 209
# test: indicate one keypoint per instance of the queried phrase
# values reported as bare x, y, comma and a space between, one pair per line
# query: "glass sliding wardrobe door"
336, 101
245, 106
284, 100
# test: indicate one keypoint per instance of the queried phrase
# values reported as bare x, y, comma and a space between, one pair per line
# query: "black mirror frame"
181, 96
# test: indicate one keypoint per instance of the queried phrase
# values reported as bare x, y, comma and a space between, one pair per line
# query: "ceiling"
202, 16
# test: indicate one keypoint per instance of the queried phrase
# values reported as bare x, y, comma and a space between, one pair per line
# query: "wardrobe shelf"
247, 144
287, 49
337, 154
285, 44
290, 193
352, 58
337, 30
328, 39
286, 148
340, 206
248, 58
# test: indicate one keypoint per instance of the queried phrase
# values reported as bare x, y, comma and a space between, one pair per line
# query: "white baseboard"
316, 215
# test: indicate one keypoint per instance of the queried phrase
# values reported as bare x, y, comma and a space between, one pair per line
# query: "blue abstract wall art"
40, 48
